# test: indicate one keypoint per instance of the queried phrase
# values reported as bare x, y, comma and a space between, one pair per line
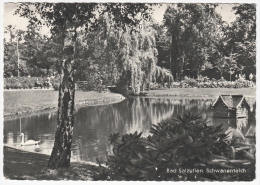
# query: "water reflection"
94, 124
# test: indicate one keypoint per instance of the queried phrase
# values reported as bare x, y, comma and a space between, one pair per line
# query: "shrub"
27, 83
154, 85
186, 143
175, 84
56, 83
206, 83
56, 87
188, 82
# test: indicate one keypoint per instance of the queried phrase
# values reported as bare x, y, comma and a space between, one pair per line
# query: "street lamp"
17, 48
231, 71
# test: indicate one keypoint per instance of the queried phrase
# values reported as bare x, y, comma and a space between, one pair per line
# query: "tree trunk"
61, 153
173, 56
182, 67
174, 50
18, 58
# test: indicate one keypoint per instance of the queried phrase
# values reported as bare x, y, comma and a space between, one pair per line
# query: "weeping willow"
132, 55
162, 75
138, 58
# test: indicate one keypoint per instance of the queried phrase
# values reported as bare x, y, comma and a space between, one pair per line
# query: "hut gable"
231, 106
230, 101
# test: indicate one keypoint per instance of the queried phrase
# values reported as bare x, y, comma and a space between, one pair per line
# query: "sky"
225, 10
15, 20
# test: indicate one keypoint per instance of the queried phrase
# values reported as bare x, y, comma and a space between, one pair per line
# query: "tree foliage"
195, 29
204, 44
120, 56
12, 49
242, 40
40, 52
193, 41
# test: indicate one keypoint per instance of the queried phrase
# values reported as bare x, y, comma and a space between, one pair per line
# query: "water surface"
94, 124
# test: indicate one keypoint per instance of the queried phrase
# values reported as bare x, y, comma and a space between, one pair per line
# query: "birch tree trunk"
174, 52
61, 153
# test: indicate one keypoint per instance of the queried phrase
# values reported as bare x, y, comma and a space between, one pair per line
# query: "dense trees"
243, 38
35, 53
193, 41
40, 52
12, 61
201, 43
121, 57
194, 30
97, 51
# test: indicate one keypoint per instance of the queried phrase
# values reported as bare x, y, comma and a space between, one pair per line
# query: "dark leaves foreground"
185, 143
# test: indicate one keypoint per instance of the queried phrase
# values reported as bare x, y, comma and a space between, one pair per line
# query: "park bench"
81, 85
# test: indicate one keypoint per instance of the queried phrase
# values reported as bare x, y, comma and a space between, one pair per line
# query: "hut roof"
231, 101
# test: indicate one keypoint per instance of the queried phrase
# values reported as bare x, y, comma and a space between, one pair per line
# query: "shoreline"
90, 98
116, 98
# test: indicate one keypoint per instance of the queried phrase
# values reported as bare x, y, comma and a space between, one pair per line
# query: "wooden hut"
231, 106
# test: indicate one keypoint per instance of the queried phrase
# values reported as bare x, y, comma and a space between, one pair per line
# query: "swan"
29, 142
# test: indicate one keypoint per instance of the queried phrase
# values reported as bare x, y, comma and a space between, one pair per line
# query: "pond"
93, 124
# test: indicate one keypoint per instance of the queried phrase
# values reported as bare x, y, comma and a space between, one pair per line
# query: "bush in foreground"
187, 143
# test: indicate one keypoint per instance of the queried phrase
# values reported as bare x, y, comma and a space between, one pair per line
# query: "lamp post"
17, 48
231, 71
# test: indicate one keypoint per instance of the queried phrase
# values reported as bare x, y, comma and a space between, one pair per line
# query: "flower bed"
206, 83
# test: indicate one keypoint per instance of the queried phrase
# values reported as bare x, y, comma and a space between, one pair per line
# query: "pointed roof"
231, 101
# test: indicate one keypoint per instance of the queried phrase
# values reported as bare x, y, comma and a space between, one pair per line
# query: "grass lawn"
197, 92
22, 102
33, 166
249, 93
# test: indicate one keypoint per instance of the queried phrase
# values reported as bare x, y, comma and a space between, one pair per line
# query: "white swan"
29, 142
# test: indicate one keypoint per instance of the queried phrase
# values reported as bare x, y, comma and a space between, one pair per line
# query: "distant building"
231, 106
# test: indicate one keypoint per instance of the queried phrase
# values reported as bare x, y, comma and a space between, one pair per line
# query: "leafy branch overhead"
59, 15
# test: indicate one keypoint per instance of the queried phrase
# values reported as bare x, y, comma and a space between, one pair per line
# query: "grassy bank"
33, 166
27, 102
202, 92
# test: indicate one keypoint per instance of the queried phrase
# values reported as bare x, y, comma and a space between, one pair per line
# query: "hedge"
28, 83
